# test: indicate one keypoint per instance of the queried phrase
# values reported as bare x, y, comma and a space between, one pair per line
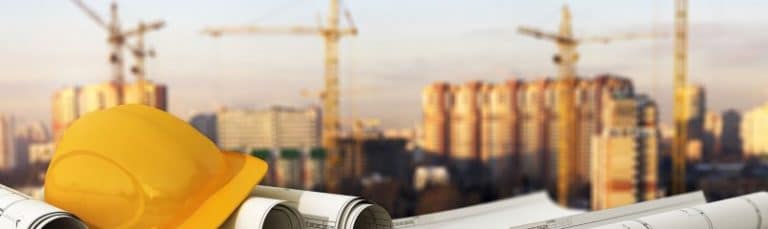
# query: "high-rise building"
589, 97
535, 120
730, 139
65, 109
614, 156
71, 103
8, 155
587, 112
624, 161
206, 125
465, 122
648, 148
274, 128
713, 130
436, 99
287, 138
754, 128
499, 129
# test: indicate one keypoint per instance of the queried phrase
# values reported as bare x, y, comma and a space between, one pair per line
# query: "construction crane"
140, 53
566, 59
116, 38
331, 32
681, 108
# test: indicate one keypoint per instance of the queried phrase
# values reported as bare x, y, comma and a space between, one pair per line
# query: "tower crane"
117, 40
140, 53
331, 32
680, 108
566, 59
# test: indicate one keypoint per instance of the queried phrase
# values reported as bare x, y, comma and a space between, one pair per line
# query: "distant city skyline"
402, 47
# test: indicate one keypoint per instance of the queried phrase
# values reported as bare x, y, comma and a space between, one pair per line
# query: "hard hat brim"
246, 172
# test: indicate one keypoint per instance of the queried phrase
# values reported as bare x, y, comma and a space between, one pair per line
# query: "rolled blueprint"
497, 214
18, 211
743, 212
257, 212
613, 215
329, 211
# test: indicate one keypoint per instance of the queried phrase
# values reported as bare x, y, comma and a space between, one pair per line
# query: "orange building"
465, 121
436, 99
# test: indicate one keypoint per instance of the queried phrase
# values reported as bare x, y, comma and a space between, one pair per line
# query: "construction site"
452, 133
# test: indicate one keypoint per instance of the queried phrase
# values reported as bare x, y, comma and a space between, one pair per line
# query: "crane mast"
331, 112
140, 54
566, 147
116, 41
565, 59
680, 95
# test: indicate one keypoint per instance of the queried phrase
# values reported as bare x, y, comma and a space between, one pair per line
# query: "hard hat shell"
134, 166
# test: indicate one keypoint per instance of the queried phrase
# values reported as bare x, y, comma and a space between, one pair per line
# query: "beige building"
613, 169
65, 109
465, 121
499, 127
273, 128
624, 158
535, 120
754, 129
614, 157
435, 100
499, 120
71, 103
94, 97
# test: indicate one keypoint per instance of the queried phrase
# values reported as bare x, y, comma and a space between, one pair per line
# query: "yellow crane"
331, 32
566, 59
680, 108
117, 40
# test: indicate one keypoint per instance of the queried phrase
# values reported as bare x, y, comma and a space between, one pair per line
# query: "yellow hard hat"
134, 166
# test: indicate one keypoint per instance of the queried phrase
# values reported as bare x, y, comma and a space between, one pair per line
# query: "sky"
403, 45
